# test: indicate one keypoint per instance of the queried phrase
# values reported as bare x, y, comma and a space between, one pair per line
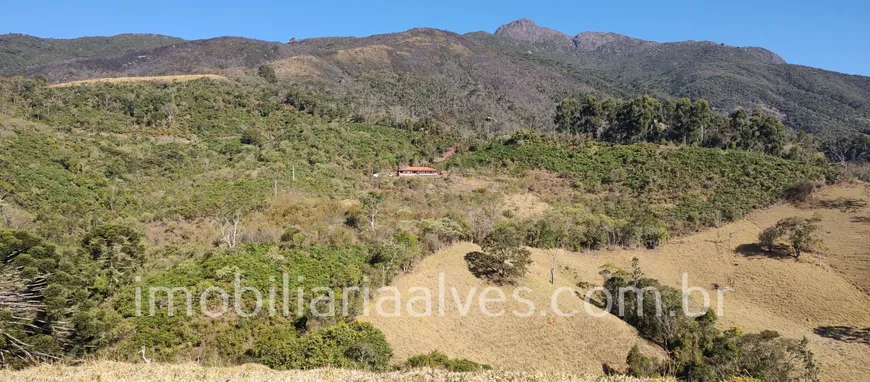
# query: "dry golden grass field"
824, 302
113, 80
115, 371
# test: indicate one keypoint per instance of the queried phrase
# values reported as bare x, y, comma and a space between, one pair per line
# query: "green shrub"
801, 192
252, 137
438, 360
354, 345
640, 365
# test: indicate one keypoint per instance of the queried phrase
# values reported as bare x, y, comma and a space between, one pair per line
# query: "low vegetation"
108, 189
698, 350
438, 360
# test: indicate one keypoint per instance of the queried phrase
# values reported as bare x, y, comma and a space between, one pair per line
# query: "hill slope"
539, 342
798, 299
510, 79
19, 51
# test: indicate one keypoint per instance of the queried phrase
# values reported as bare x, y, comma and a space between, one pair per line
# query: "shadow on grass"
843, 204
845, 334
756, 250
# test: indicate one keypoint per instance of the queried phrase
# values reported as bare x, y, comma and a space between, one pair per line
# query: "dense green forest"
107, 188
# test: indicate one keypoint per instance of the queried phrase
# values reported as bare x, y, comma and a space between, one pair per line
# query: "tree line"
685, 122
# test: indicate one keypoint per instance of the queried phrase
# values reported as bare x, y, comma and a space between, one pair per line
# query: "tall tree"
700, 120
771, 132
566, 115
681, 124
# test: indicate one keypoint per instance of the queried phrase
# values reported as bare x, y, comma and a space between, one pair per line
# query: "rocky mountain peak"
526, 30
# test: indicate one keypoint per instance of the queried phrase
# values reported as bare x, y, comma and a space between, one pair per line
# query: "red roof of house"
412, 168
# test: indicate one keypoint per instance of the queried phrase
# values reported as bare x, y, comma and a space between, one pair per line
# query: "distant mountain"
179, 58
19, 52
503, 81
526, 30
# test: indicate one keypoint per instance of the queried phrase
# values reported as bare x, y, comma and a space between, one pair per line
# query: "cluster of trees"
848, 148
50, 301
697, 350
685, 122
624, 191
355, 345
801, 235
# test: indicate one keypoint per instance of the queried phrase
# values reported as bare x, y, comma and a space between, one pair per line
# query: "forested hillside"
283, 168
19, 52
508, 80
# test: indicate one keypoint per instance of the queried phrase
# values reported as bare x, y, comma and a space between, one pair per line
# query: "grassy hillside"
178, 151
544, 342
19, 52
798, 299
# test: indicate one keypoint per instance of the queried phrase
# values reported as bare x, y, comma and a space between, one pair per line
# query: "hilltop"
498, 82
19, 52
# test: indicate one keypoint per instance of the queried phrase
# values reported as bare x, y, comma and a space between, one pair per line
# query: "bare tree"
717, 221
4, 206
169, 110
371, 205
230, 230
838, 150
482, 219
144, 358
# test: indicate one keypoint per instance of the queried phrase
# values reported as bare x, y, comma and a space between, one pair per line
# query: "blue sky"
833, 35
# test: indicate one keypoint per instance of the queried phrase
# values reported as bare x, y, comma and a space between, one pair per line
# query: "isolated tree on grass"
800, 233
503, 259
767, 238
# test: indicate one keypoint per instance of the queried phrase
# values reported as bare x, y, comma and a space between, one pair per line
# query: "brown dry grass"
298, 66
780, 294
577, 344
371, 55
525, 206
115, 80
115, 371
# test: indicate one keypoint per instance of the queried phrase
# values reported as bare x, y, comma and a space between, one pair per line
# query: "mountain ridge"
505, 80
527, 30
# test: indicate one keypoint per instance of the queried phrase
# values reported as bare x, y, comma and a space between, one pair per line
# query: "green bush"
354, 345
438, 360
